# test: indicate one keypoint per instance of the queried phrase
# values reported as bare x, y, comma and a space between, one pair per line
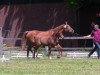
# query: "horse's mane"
56, 29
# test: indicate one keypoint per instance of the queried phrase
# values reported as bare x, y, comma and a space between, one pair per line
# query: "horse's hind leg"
49, 53
29, 49
35, 50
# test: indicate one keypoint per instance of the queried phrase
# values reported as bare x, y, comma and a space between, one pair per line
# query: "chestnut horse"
50, 38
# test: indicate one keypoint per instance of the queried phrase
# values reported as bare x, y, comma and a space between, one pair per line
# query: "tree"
71, 3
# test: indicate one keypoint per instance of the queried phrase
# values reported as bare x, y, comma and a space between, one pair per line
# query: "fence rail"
78, 38
63, 38
67, 50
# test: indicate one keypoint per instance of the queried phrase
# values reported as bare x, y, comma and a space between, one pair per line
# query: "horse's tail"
23, 41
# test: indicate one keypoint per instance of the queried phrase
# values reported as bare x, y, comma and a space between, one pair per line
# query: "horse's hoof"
27, 57
58, 57
50, 57
33, 57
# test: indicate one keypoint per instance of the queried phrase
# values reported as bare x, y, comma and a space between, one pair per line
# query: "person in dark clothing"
92, 51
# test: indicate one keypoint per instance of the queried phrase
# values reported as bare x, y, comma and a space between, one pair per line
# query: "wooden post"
0, 31
1, 38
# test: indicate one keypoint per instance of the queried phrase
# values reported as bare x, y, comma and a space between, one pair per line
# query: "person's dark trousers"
97, 44
92, 51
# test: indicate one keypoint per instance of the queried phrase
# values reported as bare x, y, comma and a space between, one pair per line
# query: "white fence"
78, 38
73, 54
65, 38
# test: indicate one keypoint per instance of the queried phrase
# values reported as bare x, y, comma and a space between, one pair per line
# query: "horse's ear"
66, 23
65, 26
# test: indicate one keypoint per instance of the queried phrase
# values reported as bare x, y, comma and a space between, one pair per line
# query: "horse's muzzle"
72, 31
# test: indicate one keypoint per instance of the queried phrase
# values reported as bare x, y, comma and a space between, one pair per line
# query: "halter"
65, 26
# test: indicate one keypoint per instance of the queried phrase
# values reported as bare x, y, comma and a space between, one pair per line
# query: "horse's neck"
55, 39
58, 29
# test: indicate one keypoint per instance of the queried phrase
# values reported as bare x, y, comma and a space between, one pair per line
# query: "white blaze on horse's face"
65, 26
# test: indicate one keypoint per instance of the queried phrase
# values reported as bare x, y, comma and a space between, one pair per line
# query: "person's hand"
87, 36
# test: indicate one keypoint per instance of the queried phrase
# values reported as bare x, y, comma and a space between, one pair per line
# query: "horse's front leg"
59, 48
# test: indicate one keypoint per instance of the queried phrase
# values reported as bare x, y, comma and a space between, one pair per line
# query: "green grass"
63, 66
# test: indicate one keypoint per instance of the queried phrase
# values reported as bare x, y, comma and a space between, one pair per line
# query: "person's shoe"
88, 56
98, 57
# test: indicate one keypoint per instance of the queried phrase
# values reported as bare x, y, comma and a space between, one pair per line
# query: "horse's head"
58, 30
68, 28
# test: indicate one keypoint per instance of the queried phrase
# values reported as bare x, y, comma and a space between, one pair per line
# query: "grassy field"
63, 66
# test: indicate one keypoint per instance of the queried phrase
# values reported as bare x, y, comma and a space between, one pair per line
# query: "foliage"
63, 66
72, 3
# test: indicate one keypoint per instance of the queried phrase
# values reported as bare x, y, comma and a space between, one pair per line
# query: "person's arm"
88, 35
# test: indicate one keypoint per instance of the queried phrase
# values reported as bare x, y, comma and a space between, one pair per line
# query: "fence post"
1, 38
